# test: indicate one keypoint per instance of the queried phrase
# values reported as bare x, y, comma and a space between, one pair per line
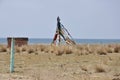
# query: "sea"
79, 41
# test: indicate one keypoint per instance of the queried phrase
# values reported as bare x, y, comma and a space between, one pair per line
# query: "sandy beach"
49, 62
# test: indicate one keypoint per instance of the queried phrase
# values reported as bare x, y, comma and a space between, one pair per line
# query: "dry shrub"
101, 49
3, 49
94, 49
17, 49
86, 49
117, 49
100, 68
52, 49
84, 52
42, 47
80, 47
67, 49
30, 50
24, 48
102, 52
110, 50
64, 49
47, 49
116, 79
77, 52
59, 52
84, 68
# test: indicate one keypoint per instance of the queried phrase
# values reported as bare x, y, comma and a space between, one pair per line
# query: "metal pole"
12, 56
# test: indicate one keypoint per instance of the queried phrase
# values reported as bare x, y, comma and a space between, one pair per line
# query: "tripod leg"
54, 39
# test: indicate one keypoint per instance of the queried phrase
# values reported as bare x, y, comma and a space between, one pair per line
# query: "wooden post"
12, 56
59, 39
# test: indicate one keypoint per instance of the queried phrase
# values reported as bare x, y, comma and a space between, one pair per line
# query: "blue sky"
86, 19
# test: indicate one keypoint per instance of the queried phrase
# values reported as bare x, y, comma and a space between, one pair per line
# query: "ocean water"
79, 41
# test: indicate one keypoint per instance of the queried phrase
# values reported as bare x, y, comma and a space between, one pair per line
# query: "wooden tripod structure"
62, 32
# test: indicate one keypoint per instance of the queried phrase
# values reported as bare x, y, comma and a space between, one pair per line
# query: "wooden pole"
59, 39
12, 56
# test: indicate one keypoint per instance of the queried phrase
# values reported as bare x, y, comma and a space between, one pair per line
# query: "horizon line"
52, 38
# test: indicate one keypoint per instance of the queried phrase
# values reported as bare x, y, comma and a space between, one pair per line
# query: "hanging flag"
61, 31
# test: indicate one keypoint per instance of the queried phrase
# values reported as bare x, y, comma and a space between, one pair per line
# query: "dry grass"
84, 68
50, 62
100, 68
3, 48
17, 49
66, 49
24, 48
30, 51
117, 49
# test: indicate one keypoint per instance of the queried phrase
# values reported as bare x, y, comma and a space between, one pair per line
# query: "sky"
84, 19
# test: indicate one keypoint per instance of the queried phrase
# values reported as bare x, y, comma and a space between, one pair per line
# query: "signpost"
12, 56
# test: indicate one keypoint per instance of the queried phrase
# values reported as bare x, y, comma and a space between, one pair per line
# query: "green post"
12, 56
